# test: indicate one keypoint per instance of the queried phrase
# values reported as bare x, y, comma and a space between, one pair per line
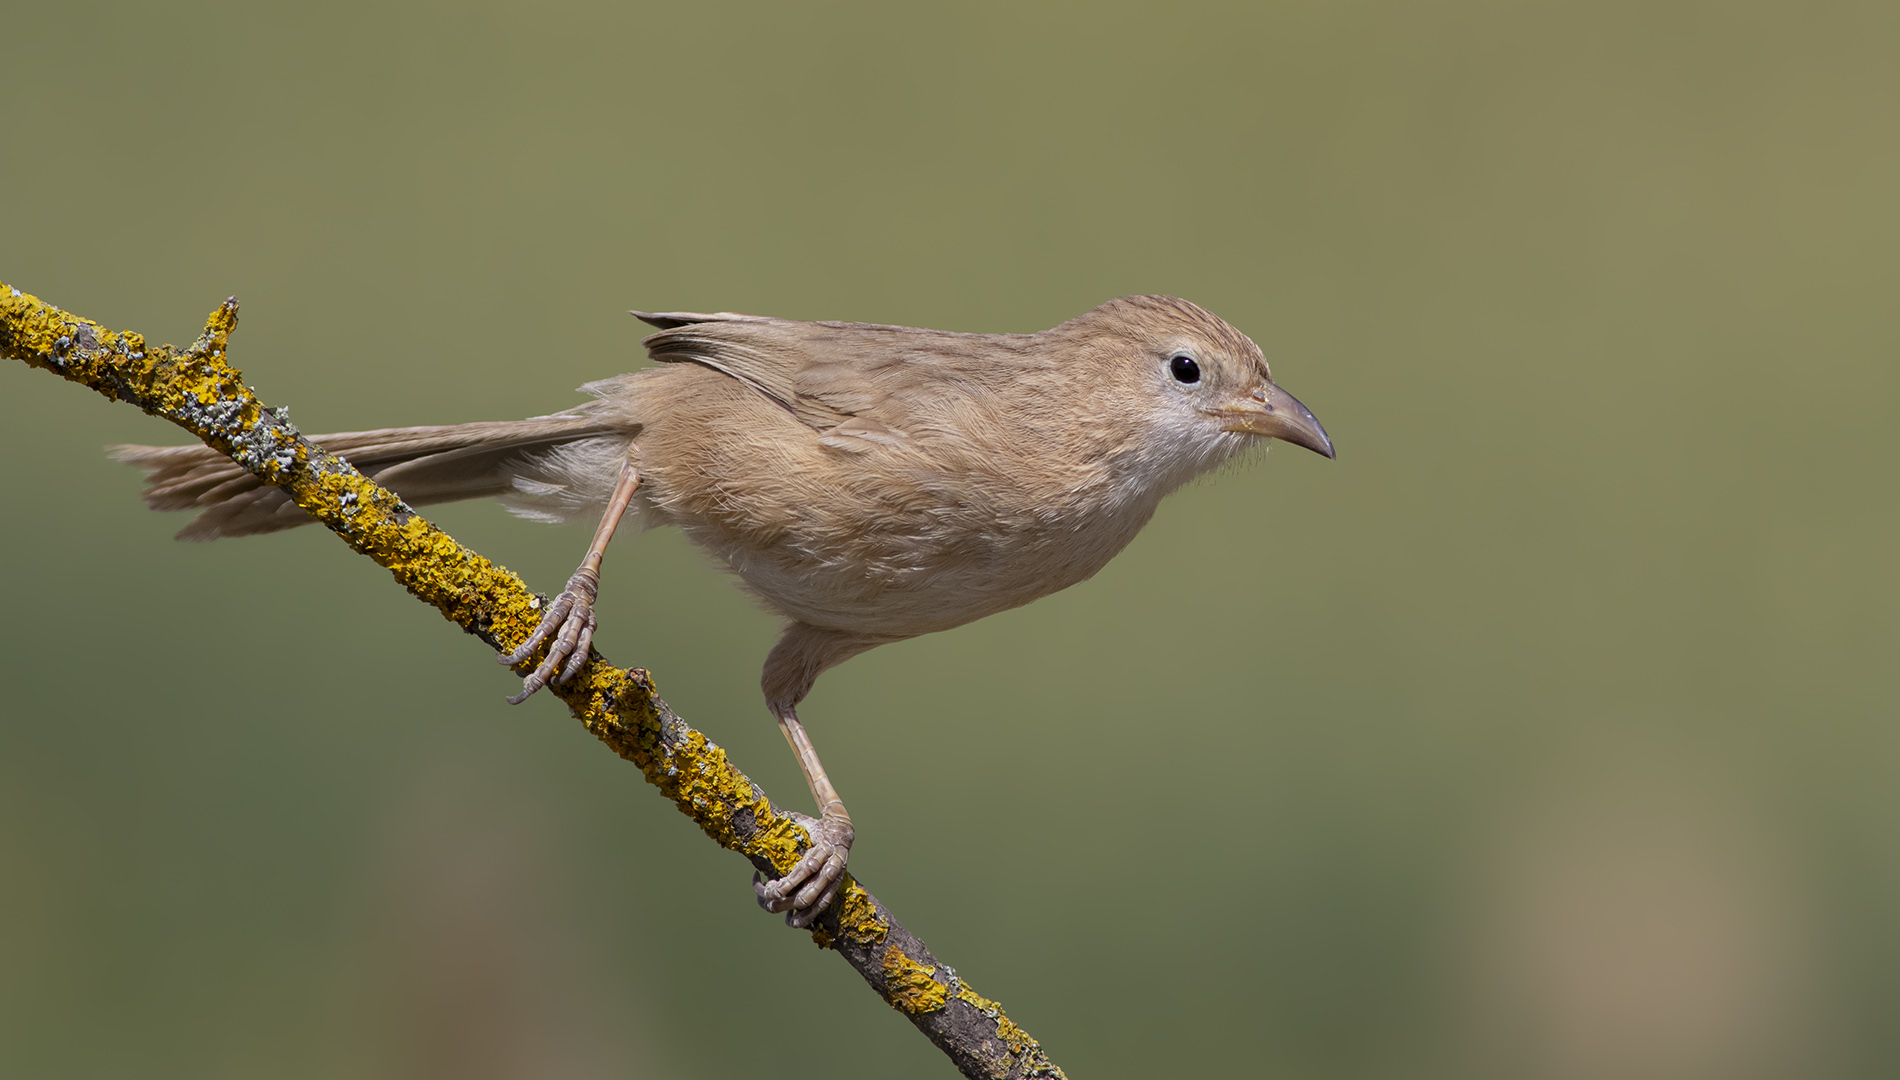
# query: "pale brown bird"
870, 483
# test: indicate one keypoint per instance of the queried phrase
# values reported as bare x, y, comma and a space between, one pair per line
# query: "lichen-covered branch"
197, 390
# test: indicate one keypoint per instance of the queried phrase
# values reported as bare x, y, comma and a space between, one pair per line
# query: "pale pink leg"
570, 618
820, 871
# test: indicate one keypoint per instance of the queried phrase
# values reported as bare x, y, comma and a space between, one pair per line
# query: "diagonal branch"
197, 390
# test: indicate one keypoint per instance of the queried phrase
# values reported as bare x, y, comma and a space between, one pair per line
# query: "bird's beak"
1273, 412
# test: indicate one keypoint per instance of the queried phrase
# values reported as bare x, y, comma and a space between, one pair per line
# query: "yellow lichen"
858, 917
909, 986
1019, 1042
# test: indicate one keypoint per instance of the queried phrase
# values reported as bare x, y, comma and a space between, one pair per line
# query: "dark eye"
1185, 369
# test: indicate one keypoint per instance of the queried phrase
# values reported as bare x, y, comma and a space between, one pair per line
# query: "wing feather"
856, 384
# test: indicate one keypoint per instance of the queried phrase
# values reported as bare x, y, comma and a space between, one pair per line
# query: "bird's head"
1199, 389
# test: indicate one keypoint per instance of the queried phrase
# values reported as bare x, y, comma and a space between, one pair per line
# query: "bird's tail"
543, 467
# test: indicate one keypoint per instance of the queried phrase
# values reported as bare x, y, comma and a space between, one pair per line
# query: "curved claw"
578, 659
813, 884
572, 614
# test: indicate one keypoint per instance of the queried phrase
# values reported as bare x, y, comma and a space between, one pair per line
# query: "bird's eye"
1184, 369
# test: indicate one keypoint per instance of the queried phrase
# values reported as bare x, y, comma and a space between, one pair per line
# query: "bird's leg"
821, 871
570, 618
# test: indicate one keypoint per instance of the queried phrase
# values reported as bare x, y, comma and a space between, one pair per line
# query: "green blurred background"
1551, 732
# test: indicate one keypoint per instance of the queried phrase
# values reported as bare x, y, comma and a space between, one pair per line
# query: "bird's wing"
856, 384
767, 355
667, 320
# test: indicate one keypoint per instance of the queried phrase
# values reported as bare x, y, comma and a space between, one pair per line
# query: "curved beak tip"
1277, 414
1316, 440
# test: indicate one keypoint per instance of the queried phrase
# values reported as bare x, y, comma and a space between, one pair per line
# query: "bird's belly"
898, 586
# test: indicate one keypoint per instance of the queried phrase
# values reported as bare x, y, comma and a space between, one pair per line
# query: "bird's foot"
811, 886
570, 618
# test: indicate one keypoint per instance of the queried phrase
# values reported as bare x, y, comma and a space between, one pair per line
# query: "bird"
868, 483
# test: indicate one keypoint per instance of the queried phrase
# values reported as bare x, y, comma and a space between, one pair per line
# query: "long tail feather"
424, 465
